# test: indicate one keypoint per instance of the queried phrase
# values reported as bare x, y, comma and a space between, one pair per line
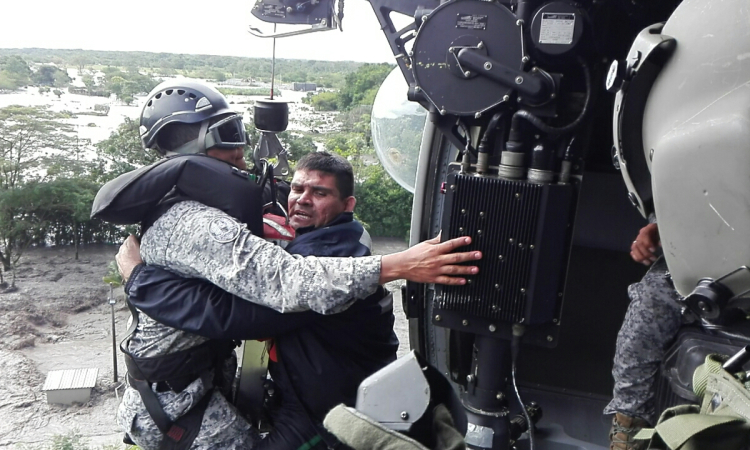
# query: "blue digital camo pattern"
222, 426
651, 324
198, 241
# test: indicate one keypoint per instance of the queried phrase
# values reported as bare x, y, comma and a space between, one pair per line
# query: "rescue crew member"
261, 271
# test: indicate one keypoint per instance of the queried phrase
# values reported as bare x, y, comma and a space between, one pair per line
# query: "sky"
217, 27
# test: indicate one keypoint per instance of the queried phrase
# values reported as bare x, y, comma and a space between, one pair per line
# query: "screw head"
470, 378
465, 322
487, 65
404, 415
477, 115
525, 59
550, 339
443, 112
438, 318
492, 328
500, 257
523, 290
519, 80
467, 73
506, 98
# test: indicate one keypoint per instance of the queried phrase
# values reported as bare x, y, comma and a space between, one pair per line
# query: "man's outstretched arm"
197, 241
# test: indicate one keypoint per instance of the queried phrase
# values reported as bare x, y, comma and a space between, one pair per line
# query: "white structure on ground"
70, 386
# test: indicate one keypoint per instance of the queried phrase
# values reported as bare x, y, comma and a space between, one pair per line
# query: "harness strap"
180, 434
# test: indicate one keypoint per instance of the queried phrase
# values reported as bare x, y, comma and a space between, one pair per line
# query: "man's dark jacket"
322, 358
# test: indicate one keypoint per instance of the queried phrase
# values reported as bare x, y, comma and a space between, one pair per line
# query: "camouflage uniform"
651, 324
222, 426
195, 240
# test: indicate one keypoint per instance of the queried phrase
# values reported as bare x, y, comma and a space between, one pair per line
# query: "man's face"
235, 156
314, 199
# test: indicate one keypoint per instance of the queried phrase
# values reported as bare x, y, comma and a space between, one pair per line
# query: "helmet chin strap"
194, 146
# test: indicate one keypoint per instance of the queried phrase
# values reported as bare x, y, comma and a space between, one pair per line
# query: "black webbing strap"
178, 435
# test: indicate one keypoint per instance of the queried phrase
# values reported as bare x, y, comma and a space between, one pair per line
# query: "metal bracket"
317, 27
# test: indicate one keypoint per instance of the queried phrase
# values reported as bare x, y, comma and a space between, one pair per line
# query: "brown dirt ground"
60, 318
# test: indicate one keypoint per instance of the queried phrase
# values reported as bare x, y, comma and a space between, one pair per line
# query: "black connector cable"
515, 348
541, 126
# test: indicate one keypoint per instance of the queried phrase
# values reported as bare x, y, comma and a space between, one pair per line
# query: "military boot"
624, 428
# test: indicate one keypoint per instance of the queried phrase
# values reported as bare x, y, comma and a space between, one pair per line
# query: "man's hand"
643, 248
128, 256
430, 262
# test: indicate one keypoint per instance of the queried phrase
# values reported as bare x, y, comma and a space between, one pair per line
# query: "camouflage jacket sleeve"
195, 240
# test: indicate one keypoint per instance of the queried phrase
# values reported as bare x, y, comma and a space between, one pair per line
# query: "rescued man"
319, 359
253, 268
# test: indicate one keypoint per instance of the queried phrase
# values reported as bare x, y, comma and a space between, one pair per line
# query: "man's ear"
349, 204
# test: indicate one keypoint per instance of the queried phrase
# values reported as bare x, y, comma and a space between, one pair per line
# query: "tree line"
329, 74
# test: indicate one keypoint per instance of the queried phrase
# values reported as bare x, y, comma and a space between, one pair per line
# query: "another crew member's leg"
651, 324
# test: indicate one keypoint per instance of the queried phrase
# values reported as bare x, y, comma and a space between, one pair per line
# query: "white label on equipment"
557, 28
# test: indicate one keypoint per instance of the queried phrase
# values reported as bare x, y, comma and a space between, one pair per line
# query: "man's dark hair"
333, 164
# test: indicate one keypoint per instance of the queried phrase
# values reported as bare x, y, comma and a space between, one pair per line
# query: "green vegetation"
359, 89
14, 72
248, 91
329, 74
73, 441
48, 75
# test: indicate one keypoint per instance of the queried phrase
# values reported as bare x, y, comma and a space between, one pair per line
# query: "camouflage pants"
222, 426
651, 324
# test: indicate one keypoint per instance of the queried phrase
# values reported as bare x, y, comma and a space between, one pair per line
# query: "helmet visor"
227, 133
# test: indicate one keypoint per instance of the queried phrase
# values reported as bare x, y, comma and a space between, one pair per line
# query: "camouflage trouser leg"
651, 324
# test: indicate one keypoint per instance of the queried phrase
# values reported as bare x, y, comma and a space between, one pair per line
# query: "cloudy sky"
217, 27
